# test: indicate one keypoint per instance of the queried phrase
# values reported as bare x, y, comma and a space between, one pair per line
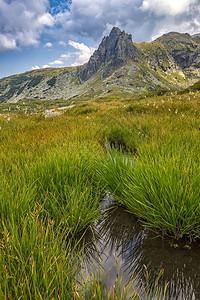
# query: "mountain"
172, 61
113, 52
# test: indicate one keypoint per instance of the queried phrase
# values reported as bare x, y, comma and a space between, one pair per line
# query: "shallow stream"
120, 235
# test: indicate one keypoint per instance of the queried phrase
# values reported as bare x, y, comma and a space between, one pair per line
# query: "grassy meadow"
54, 172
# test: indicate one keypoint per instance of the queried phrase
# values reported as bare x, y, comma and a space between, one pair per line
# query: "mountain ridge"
172, 61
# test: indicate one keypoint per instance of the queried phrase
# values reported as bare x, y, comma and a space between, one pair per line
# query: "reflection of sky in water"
119, 234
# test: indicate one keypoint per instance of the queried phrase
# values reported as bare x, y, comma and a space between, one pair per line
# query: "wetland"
54, 174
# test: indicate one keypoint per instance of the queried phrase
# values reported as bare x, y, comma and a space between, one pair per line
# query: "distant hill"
172, 61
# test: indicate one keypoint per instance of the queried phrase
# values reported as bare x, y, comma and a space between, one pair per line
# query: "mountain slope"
176, 54
171, 61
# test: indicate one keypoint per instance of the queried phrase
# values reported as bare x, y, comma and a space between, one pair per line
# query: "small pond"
119, 234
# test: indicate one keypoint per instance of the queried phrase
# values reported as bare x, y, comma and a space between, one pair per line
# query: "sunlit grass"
161, 186
54, 172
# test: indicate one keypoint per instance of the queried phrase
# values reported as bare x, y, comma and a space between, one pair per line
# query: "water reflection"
120, 233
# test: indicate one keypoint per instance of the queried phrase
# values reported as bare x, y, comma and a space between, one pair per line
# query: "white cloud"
84, 53
142, 18
187, 22
65, 56
72, 58
56, 62
61, 43
168, 25
46, 19
35, 67
79, 46
7, 42
88, 18
48, 45
168, 7
46, 66
22, 22
62, 16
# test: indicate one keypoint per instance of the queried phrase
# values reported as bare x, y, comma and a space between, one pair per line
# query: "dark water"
119, 235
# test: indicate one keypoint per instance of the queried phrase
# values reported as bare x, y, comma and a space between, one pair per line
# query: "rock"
113, 52
152, 89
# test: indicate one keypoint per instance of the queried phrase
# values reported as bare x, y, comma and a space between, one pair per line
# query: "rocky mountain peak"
113, 52
115, 32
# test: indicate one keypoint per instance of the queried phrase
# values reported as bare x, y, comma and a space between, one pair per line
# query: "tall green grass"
161, 186
36, 258
45, 200
53, 174
36, 261
67, 186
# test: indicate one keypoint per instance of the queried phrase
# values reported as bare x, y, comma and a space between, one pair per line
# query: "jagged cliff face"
113, 52
182, 47
171, 61
174, 53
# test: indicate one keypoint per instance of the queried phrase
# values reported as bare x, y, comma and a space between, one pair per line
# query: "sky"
60, 33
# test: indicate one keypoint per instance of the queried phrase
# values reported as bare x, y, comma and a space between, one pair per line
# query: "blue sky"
54, 33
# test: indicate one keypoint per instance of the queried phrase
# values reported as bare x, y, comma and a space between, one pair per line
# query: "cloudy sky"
54, 33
